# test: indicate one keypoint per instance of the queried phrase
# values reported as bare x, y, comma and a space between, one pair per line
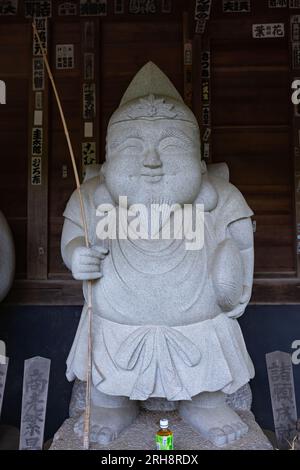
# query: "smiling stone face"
153, 161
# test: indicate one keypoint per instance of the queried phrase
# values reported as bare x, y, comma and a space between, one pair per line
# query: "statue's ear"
102, 196
208, 195
203, 167
103, 170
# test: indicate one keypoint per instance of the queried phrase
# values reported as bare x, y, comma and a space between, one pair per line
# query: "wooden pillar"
37, 216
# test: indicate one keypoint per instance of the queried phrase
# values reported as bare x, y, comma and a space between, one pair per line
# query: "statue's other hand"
247, 292
239, 310
86, 263
227, 275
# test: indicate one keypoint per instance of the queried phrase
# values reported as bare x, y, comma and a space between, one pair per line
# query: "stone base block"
141, 435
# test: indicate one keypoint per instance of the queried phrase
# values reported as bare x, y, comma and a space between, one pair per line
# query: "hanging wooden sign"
88, 154
205, 92
42, 28
38, 9
281, 381
296, 55
38, 74
207, 134
89, 101
200, 27
8, 7
64, 172
119, 7
88, 130
205, 64
166, 6
206, 151
188, 53
67, 9
65, 56
93, 7
89, 35
202, 15
295, 28
278, 3
38, 100
142, 7
236, 6
36, 171
294, 4
3, 373
268, 31
206, 116
34, 403
37, 141
38, 117
188, 86
89, 66
202, 10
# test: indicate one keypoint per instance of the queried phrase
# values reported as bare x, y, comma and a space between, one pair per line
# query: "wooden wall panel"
250, 97
251, 128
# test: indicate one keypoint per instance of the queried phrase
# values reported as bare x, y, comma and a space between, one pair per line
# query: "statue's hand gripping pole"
86, 438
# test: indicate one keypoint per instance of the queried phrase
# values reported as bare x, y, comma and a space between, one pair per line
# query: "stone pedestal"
141, 435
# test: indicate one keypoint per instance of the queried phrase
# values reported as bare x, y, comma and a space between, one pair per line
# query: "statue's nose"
152, 160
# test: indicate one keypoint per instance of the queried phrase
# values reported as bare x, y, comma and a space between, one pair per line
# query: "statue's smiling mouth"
152, 177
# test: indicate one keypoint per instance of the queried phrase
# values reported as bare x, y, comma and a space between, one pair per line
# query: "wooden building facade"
233, 64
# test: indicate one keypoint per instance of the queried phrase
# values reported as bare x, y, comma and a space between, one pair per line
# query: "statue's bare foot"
107, 423
220, 424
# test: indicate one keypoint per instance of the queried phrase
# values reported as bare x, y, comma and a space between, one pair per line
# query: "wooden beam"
69, 292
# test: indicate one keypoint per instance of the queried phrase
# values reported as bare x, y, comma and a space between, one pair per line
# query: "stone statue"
164, 317
7, 261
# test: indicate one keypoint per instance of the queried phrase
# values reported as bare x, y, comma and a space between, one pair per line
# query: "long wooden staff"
86, 436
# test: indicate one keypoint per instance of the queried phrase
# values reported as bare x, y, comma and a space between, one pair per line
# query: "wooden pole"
86, 437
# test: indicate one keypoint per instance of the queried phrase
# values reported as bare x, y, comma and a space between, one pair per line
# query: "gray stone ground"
141, 435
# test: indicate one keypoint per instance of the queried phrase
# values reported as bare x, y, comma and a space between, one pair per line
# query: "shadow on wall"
49, 332
38, 331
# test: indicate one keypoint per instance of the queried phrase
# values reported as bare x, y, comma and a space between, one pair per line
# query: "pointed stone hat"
150, 80
152, 96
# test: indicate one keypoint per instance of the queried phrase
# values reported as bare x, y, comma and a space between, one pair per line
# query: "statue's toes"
105, 436
239, 429
235, 431
94, 434
230, 433
242, 429
218, 437
223, 436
